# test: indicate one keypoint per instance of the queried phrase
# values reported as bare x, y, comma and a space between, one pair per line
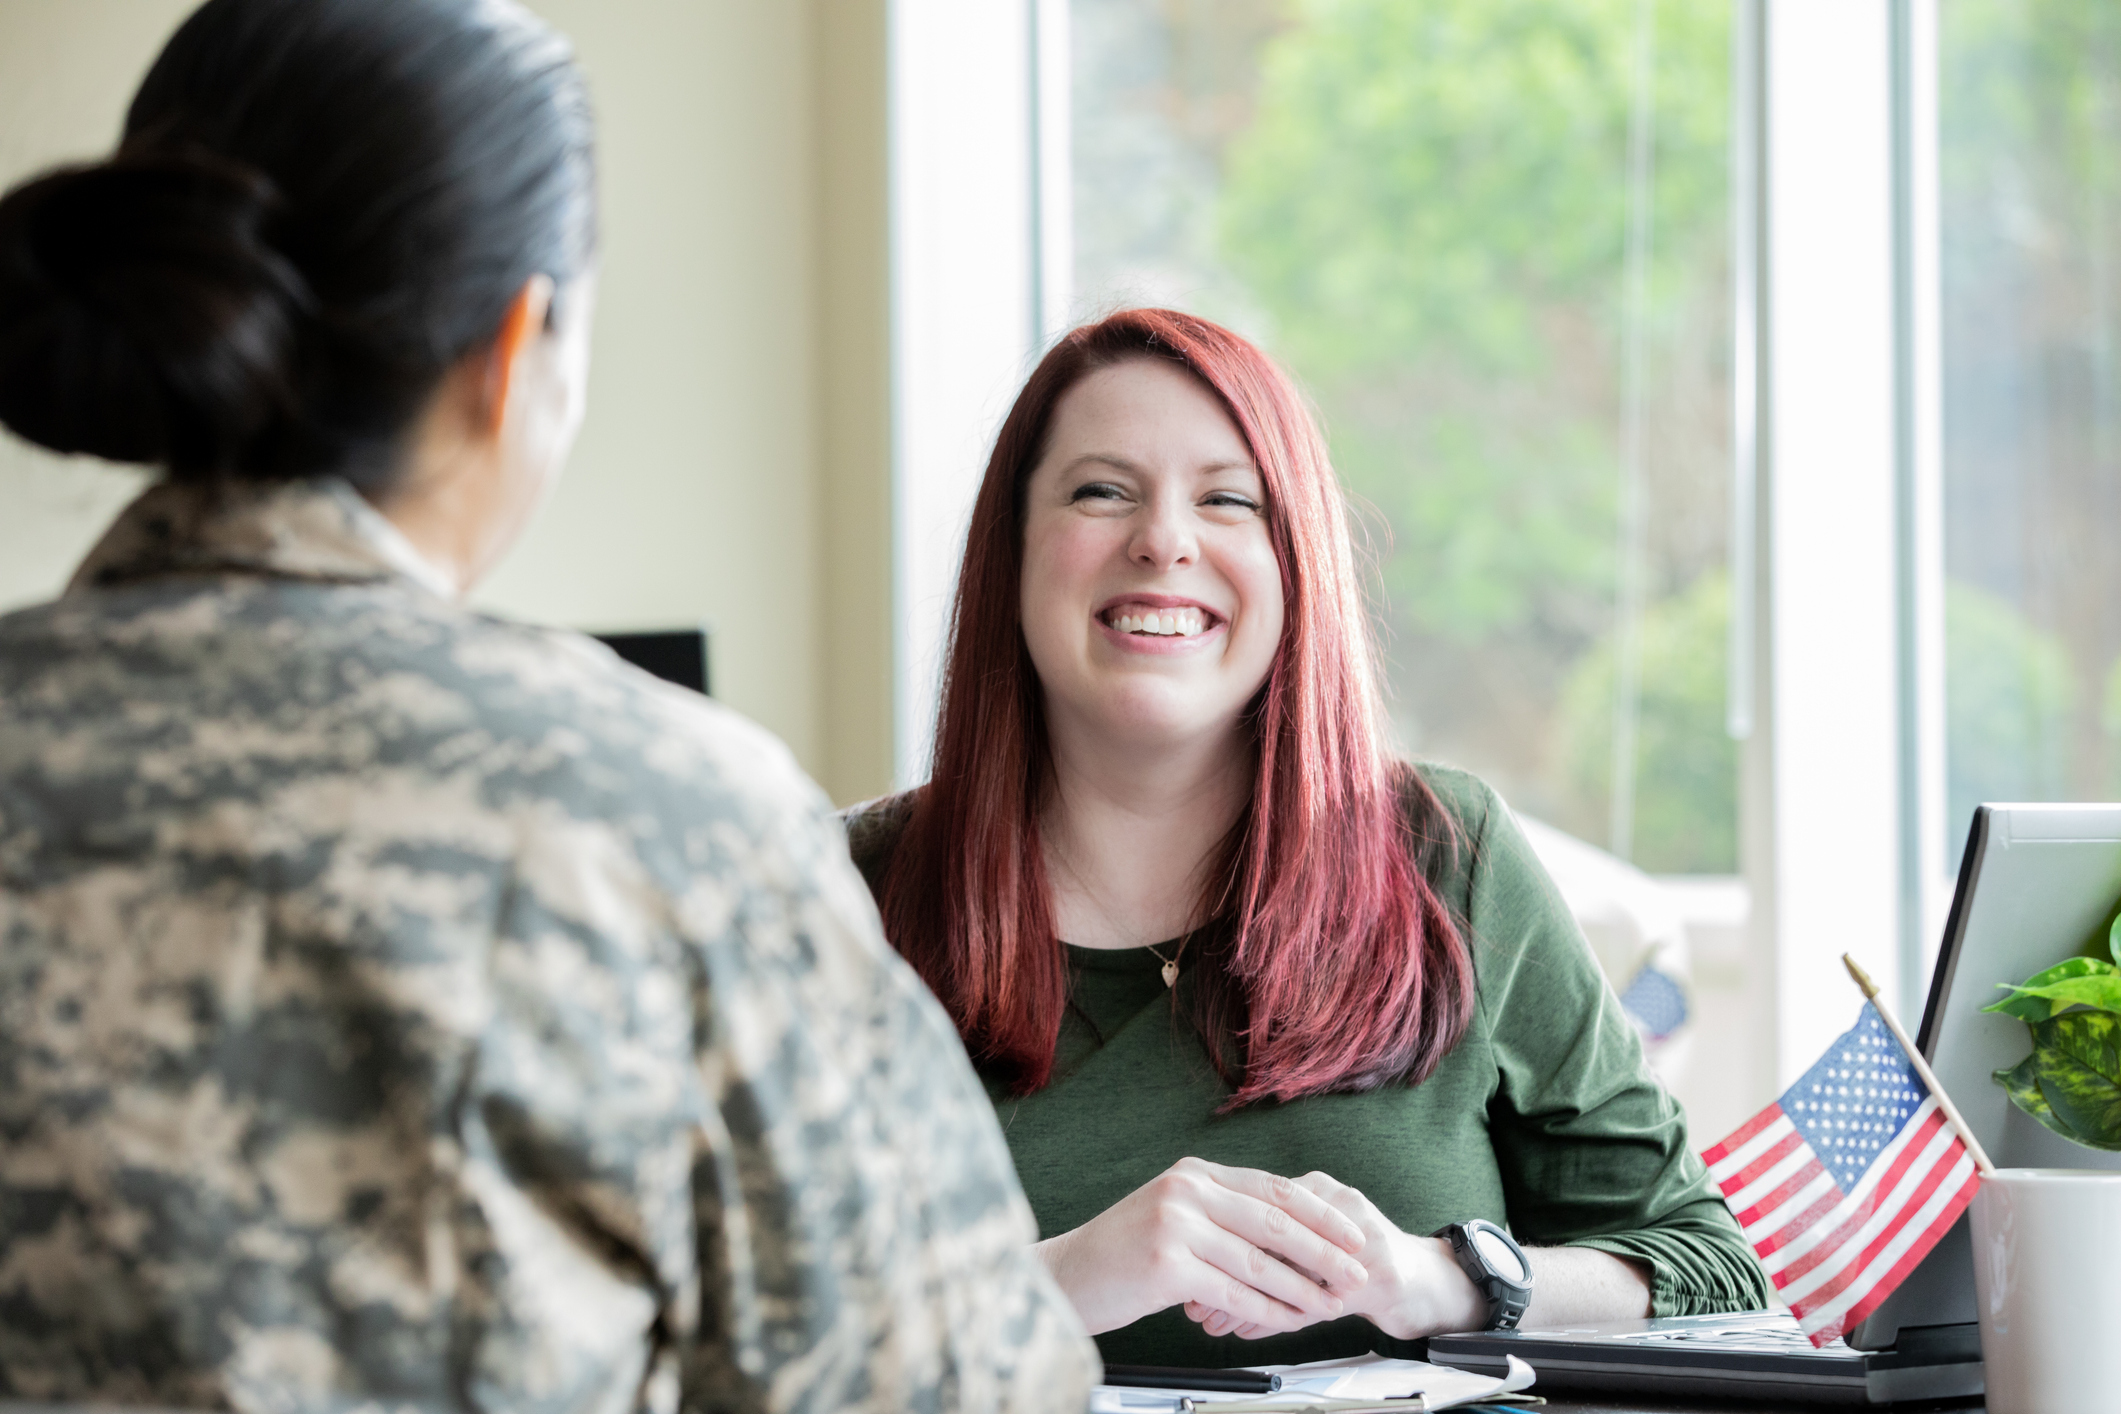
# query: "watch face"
1501, 1260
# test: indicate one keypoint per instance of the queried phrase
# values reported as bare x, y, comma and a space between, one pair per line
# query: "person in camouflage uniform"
401, 1008
402, 1005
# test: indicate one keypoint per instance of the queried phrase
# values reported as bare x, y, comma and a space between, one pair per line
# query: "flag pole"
1922, 1067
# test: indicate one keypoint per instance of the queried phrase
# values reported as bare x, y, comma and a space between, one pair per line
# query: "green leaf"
2030, 1010
2113, 940
2103, 993
2081, 981
2022, 1084
2075, 967
2077, 1058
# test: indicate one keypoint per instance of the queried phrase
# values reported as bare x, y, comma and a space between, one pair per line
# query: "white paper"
1328, 1385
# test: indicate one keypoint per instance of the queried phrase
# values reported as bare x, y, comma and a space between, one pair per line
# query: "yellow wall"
853, 223
734, 468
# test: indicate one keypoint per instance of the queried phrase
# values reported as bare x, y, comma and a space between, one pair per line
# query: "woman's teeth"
1172, 623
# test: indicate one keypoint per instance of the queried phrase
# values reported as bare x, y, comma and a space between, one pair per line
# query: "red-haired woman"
1261, 1008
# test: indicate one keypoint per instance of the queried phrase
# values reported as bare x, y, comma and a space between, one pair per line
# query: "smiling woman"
1203, 934
1151, 597
1157, 454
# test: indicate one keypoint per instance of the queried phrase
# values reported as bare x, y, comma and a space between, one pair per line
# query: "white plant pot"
2047, 1271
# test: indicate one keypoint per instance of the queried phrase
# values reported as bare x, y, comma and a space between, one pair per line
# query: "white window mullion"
1926, 873
1053, 168
965, 258
1833, 628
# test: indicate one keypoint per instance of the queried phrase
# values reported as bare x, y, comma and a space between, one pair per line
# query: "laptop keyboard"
1780, 1337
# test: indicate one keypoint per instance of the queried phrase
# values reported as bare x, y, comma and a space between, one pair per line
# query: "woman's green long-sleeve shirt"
1544, 1118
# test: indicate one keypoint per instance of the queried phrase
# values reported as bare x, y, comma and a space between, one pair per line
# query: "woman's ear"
521, 326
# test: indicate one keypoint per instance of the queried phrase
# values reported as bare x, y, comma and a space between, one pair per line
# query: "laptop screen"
2037, 884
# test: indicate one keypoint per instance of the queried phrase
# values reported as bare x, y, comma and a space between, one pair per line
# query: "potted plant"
2072, 1080
2045, 1240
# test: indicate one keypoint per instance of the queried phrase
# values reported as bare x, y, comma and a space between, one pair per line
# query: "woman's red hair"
1336, 966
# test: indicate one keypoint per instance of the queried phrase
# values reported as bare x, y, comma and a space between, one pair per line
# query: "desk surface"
1559, 1403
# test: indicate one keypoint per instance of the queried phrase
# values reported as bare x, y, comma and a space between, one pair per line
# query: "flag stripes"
1834, 1254
1865, 1215
1847, 1212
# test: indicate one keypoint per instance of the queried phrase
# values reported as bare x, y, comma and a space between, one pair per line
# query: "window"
1559, 274
2029, 154
1491, 239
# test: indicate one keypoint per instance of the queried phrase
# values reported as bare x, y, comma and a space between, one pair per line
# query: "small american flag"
1847, 1181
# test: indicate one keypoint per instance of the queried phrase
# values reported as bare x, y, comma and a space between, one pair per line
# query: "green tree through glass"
2029, 148
1428, 210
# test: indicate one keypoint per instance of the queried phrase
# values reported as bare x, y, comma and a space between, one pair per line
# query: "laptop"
2037, 884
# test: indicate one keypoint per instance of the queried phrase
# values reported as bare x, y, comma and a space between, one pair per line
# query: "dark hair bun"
316, 209
144, 314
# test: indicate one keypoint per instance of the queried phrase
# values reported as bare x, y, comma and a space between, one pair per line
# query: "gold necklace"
1170, 963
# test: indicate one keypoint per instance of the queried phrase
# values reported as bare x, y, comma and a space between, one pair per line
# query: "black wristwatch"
1497, 1266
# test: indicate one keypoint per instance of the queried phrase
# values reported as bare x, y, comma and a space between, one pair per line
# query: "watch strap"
1507, 1298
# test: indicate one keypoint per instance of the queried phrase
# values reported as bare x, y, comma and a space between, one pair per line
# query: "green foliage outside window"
1429, 207
2008, 686
2029, 182
1687, 821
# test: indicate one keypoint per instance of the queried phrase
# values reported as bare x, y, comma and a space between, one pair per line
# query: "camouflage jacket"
405, 1009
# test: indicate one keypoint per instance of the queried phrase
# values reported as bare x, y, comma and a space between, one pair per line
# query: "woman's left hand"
1416, 1286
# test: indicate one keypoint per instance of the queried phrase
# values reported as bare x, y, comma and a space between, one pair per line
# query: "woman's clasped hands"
1414, 1285
1266, 1252
1250, 1254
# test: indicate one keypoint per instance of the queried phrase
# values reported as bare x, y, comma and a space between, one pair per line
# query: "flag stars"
1854, 1101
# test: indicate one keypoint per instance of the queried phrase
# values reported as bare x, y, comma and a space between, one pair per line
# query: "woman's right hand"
1228, 1238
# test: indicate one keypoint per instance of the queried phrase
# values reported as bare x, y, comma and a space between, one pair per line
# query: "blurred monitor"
678, 655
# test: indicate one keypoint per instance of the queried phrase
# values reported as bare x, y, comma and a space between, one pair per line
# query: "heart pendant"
1171, 973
